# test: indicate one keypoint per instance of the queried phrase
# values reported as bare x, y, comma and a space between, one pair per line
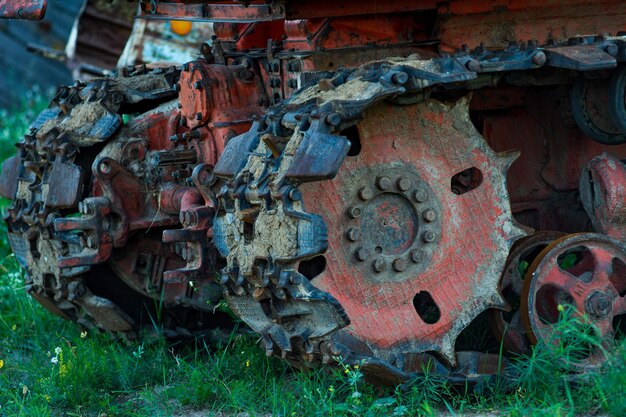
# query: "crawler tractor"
382, 183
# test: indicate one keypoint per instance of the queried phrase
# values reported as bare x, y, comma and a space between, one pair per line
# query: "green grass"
49, 368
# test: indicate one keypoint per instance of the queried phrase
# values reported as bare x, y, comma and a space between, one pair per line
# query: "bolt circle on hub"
394, 217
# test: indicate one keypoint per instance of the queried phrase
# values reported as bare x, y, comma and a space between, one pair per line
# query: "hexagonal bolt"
399, 265
416, 256
362, 254
383, 183
88, 208
428, 236
106, 223
472, 65
598, 304
354, 212
333, 119
353, 234
295, 194
184, 218
258, 293
420, 195
197, 85
379, 265
611, 49
403, 183
198, 116
400, 78
429, 215
295, 279
224, 278
91, 242
190, 218
75, 290
366, 193
104, 167
539, 58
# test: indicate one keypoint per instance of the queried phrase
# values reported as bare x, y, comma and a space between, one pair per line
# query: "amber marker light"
180, 27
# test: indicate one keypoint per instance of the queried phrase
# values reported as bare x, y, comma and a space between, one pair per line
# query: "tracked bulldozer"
359, 181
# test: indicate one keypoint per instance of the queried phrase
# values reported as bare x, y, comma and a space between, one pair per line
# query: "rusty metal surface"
590, 109
603, 195
497, 23
218, 95
23, 9
543, 183
414, 235
50, 178
217, 12
507, 325
332, 178
394, 261
593, 284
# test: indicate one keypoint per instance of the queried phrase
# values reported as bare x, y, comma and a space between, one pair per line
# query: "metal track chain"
264, 230
50, 175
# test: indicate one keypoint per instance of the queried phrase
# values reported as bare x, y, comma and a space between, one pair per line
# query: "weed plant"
49, 367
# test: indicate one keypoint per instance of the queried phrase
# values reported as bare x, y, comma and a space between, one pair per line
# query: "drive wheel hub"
392, 224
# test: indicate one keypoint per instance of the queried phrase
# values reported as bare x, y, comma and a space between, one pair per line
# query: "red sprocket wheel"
419, 228
586, 271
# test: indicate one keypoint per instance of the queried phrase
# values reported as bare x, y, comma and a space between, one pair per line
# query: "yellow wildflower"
560, 308
63, 370
1, 363
331, 389
247, 363
14, 327
47, 397
83, 335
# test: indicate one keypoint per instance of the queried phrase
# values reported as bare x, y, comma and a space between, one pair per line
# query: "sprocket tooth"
446, 349
281, 340
268, 344
507, 159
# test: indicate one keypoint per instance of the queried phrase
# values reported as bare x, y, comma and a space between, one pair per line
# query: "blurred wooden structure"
22, 69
